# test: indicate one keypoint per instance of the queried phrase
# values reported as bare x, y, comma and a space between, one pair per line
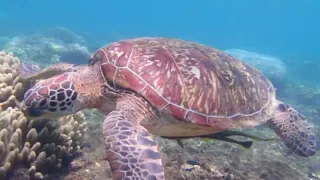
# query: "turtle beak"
31, 112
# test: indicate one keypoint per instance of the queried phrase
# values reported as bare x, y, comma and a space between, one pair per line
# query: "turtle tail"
293, 129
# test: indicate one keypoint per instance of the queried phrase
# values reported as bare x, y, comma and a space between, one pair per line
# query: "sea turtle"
166, 87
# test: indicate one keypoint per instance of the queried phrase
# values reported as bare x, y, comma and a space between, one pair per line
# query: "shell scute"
127, 79
220, 122
198, 77
197, 118
153, 97
118, 53
172, 109
157, 68
108, 70
101, 56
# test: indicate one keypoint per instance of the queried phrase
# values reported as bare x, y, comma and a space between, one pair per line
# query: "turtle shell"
189, 81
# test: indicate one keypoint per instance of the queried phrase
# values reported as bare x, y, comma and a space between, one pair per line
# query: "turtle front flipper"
292, 128
131, 152
29, 71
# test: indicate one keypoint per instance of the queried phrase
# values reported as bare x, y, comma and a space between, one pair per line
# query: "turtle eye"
282, 107
43, 103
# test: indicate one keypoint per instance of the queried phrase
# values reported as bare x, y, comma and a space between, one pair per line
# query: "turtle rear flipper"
29, 71
292, 128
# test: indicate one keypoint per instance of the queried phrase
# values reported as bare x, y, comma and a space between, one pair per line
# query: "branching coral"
38, 145
10, 86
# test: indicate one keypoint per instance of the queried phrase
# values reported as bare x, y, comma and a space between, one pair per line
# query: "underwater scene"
159, 90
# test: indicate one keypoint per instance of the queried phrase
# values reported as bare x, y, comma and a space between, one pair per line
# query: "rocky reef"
47, 47
30, 149
271, 67
199, 159
304, 94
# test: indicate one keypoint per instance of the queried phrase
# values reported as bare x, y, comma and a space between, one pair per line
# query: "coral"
37, 145
52, 46
305, 70
10, 85
307, 95
66, 35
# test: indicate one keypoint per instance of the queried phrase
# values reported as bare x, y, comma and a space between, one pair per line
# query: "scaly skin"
293, 129
65, 93
131, 151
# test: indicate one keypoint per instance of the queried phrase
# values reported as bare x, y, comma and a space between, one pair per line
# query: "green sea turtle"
164, 87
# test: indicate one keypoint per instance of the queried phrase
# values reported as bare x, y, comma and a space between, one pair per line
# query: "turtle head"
61, 89
53, 97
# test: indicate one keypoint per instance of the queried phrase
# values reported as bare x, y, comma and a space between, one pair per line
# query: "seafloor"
217, 160
214, 159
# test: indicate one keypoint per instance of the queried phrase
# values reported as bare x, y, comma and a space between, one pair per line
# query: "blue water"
288, 29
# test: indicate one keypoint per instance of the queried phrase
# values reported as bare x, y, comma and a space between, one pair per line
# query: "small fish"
223, 136
245, 144
192, 162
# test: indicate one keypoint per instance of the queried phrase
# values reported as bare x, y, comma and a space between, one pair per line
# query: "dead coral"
40, 145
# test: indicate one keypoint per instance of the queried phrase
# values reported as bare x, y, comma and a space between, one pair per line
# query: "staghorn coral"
36, 145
